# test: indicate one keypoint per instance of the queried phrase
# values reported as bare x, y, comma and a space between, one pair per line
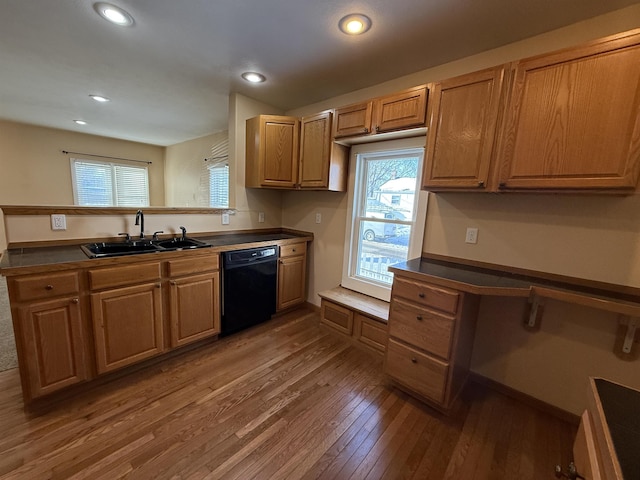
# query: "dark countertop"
621, 406
72, 255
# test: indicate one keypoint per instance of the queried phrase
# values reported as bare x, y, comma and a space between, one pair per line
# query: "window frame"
352, 236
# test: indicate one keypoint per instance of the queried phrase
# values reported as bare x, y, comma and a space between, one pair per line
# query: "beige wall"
595, 237
183, 169
34, 171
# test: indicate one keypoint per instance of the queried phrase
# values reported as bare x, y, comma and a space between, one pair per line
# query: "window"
386, 215
218, 185
103, 184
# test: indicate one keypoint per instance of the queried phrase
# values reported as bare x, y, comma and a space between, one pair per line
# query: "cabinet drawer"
425, 294
421, 328
337, 317
187, 266
118, 276
46, 286
417, 371
371, 332
293, 250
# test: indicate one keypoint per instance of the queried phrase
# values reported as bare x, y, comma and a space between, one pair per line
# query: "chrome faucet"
140, 221
184, 232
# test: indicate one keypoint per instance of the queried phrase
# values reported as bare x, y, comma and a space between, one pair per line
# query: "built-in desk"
433, 311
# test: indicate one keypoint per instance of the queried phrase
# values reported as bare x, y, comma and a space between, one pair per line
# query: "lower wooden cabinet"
53, 346
292, 267
127, 325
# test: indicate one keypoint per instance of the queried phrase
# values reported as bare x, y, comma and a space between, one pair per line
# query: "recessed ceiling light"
253, 77
99, 98
113, 14
80, 122
354, 24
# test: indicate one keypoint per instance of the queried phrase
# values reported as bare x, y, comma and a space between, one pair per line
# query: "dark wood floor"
283, 400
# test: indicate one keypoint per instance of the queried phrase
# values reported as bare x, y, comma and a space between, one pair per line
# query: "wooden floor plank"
285, 399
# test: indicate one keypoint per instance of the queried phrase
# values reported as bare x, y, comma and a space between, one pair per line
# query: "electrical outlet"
58, 222
225, 219
261, 217
318, 218
472, 235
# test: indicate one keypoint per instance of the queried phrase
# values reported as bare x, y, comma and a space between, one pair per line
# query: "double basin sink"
113, 249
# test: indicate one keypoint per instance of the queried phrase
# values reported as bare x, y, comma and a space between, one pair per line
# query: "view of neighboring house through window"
104, 184
386, 213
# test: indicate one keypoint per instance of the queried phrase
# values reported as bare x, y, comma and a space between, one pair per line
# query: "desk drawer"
417, 371
46, 286
187, 266
421, 328
293, 250
426, 294
120, 276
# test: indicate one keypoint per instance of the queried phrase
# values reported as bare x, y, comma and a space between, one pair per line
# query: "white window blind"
103, 184
219, 185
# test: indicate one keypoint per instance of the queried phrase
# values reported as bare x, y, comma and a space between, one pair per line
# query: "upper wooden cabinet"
573, 119
463, 116
406, 109
274, 159
323, 163
272, 151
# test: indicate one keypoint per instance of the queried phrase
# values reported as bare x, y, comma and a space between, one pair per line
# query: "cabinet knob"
419, 317
480, 184
366, 130
421, 295
172, 282
414, 360
377, 128
293, 249
49, 287
158, 285
75, 300
502, 184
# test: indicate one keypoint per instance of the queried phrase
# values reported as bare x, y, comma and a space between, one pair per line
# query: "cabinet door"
194, 308
53, 342
127, 325
401, 110
272, 151
291, 281
315, 150
352, 120
573, 120
463, 114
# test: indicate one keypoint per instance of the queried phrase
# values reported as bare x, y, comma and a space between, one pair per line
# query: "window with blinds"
219, 185
103, 184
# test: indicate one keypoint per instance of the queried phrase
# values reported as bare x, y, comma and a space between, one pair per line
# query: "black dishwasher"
248, 287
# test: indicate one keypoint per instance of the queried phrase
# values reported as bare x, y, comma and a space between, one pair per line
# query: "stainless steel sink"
114, 249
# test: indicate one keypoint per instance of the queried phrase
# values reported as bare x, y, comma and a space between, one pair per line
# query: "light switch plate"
261, 217
318, 218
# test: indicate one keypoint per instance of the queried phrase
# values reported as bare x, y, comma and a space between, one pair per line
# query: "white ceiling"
169, 76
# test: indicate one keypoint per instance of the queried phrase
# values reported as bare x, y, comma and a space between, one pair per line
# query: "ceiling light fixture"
80, 122
113, 14
354, 24
253, 77
100, 98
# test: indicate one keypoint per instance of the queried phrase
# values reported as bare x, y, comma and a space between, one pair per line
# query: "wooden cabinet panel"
401, 110
291, 281
427, 295
293, 250
353, 120
573, 120
35, 287
585, 450
124, 275
463, 117
127, 325
315, 150
337, 317
370, 332
425, 329
53, 345
272, 151
186, 266
194, 308
416, 371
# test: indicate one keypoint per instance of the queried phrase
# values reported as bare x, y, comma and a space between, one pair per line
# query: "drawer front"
421, 328
337, 317
371, 332
427, 295
118, 276
417, 371
46, 286
293, 250
187, 266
